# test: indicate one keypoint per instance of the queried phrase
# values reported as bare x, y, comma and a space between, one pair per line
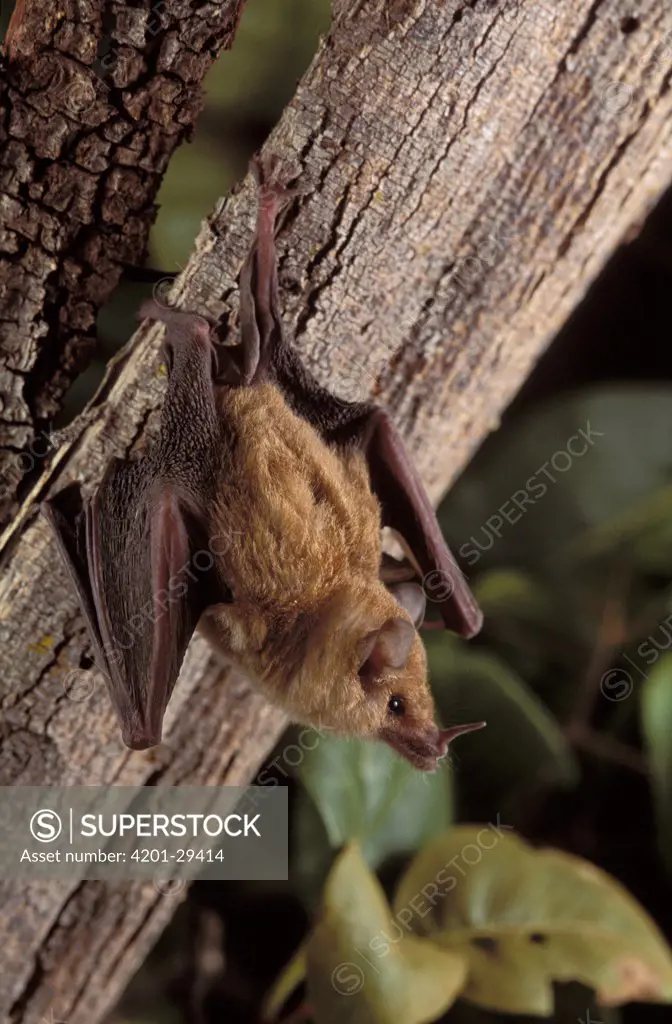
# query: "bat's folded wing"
407, 510
66, 515
139, 585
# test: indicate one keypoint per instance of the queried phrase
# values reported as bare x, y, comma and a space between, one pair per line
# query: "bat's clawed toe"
267, 173
185, 331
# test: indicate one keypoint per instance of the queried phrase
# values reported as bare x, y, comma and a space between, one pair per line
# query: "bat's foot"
187, 331
273, 194
153, 310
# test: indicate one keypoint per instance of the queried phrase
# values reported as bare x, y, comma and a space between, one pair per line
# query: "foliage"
657, 726
566, 675
497, 929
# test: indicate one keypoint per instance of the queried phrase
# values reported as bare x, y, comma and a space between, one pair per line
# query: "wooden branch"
89, 118
471, 172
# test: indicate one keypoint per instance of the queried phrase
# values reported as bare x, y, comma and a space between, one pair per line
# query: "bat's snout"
424, 750
447, 736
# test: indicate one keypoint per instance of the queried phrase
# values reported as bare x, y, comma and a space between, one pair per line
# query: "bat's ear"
386, 648
410, 596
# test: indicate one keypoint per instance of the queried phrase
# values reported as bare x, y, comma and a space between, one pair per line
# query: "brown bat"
258, 514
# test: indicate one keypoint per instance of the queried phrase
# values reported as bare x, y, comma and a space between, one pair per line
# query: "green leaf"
539, 630
311, 852
513, 594
526, 495
288, 980
522, 745
641, 536
524, 918
364, 791
656, 711
350, 981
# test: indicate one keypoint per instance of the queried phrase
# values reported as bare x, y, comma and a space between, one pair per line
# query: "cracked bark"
472, 168
94, 98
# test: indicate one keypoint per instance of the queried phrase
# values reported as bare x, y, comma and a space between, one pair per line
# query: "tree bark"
89, 118
471, 170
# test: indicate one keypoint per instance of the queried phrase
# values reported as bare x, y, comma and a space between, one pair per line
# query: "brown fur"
303, 550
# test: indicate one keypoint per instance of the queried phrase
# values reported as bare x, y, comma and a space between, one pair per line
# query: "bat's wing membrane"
148, 592
178, 602
137, 551
66, 516
406, 509
130, 553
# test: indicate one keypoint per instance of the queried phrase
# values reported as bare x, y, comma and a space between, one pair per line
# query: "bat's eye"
395, 706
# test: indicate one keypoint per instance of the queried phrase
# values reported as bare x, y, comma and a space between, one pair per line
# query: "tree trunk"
89, 119
470, 172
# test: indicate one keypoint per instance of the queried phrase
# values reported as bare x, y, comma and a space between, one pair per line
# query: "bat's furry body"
289, 488
302, 565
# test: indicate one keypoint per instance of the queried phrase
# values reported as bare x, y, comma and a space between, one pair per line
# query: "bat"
257, 518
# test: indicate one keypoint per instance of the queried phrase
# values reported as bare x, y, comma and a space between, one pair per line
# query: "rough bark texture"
472, 167
94, 97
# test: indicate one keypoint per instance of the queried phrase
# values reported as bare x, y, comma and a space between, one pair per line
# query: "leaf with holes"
351, 980
524, 918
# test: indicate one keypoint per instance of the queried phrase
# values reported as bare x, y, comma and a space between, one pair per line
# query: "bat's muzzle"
425, 751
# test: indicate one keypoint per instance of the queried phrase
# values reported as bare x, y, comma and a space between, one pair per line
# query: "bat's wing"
67, 518
407, 510
143, 577
138, 551
405, 506
144, 549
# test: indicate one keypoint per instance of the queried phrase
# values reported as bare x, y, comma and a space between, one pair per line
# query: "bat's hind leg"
260, 320
185, 330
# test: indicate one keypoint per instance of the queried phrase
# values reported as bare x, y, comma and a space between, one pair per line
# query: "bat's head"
367, 668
